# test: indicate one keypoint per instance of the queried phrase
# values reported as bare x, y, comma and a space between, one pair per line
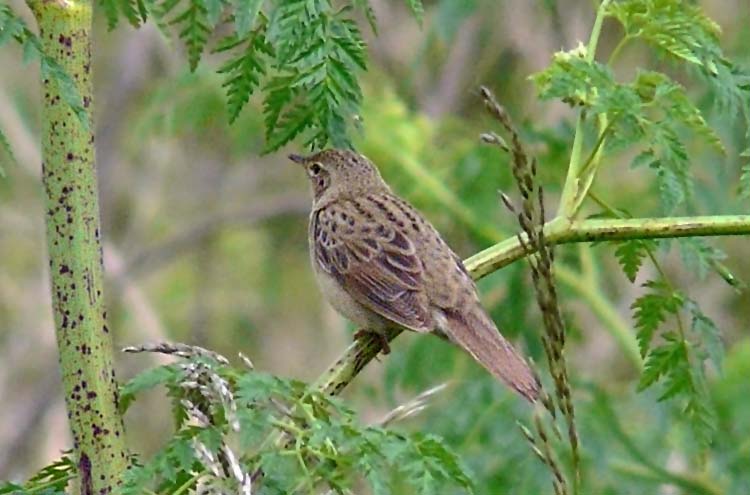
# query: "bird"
382, 265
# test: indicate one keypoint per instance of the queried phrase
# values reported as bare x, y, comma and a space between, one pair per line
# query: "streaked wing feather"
378, 265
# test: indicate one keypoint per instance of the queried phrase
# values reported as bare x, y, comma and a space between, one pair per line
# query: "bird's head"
334, 173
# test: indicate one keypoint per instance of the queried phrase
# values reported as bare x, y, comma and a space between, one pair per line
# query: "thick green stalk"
559, 231
73, 238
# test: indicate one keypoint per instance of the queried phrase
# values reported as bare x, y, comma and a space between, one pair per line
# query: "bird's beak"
297, 158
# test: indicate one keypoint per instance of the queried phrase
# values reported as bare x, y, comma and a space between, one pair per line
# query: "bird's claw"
386, 348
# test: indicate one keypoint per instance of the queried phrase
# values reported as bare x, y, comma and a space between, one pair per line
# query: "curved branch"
559, 231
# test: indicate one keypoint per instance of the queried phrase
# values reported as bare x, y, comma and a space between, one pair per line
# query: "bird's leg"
363, 332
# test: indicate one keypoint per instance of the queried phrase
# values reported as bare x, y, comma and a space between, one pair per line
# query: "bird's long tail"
476, 333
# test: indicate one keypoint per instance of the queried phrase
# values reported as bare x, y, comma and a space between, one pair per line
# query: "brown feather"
378, 266
474, 331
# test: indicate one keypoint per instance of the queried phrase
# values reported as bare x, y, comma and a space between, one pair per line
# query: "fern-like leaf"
699, 256
651, 310
245, 14
744, 188
5, 147
707, 334
631, 254
316, 91
676, 361
194, 29
417, 9
668, 358
680, 30
244, 70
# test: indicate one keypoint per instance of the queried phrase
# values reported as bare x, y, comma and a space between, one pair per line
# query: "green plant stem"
596, 30
557, 231
73, 240
572, 189
620, 45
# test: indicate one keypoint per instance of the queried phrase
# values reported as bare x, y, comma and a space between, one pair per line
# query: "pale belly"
347, 306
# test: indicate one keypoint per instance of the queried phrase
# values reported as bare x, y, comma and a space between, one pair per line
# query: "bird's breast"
340, 299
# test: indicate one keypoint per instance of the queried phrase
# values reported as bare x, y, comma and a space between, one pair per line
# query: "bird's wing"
376, 263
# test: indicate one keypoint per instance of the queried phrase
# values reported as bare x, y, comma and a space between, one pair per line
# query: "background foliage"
206, 240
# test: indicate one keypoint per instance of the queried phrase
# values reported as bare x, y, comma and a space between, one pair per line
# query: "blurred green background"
205, 242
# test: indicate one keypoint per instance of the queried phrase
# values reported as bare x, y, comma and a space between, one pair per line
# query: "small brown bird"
381, 264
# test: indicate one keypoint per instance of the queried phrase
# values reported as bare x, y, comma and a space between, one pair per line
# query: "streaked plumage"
379, 262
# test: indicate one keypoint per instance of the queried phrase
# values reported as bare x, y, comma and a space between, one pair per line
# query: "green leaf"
291, 123
161, 375
699, 256
5, 146
677, 28
656, 88
684, 33
52, 479
214, 9
244, 70
132, 12
651, 310
677, 362
315, 92
745, 181
12, 27
195, 26
245, 13
111, 12
651, 112
417, 9
702, 418
708, 334
67, 87
161, 11
662, 360
12, 488
631, 254
444, 461
369, 13
671, 163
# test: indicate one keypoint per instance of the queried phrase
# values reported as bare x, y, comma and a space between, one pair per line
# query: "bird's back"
455, 305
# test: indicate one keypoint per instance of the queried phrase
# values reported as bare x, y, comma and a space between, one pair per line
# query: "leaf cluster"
677, 358
654, 115
652, 111
50, 480
677, 361
288, 438
304, 56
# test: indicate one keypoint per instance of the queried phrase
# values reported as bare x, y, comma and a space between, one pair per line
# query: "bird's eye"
315, 168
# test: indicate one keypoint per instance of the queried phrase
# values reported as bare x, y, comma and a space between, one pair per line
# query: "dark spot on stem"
84, 471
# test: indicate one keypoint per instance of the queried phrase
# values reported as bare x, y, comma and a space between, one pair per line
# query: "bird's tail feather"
476, 333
